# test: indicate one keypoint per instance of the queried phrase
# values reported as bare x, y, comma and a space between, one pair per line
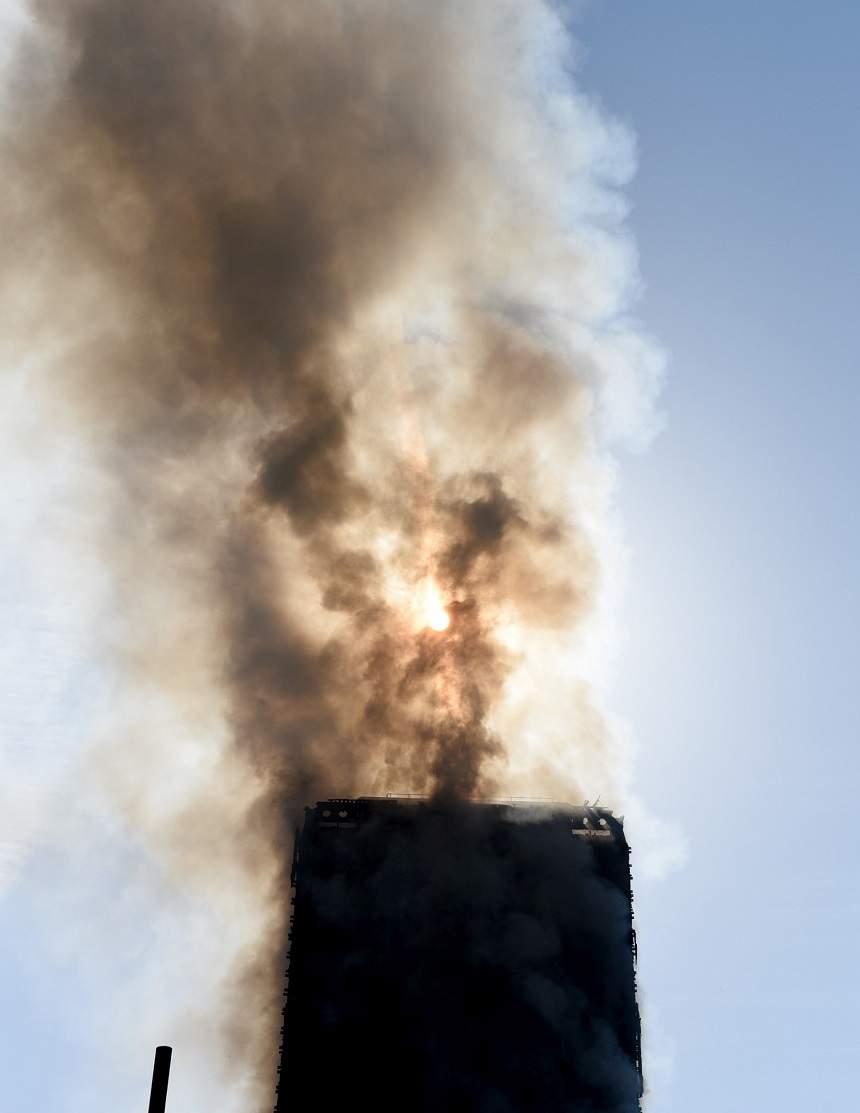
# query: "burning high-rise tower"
461, 957
322, 312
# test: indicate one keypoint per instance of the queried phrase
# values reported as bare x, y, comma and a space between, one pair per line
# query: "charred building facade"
471, 958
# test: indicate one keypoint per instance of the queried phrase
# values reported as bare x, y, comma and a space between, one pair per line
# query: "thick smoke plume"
333, 291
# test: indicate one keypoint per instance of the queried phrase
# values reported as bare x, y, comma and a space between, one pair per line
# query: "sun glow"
433, 612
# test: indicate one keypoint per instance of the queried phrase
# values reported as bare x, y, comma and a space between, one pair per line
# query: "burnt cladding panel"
475, 958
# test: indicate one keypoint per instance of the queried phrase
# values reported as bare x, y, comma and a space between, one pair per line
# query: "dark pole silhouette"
160, 1075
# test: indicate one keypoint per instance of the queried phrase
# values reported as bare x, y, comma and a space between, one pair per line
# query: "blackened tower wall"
471, 958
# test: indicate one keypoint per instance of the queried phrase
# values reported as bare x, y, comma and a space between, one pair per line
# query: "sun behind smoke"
433, 611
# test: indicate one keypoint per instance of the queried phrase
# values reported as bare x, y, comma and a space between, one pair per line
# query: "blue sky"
740, 669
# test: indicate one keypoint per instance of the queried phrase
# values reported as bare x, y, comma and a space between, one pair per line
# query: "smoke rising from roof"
333, 291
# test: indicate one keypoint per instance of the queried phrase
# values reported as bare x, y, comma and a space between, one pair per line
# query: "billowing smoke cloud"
333, 291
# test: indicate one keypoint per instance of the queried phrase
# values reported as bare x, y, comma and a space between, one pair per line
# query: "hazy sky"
738, 675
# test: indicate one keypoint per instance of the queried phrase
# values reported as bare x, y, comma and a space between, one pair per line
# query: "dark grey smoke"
308, 276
